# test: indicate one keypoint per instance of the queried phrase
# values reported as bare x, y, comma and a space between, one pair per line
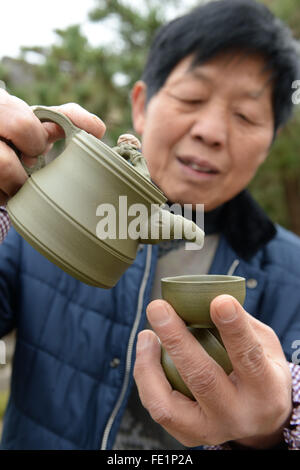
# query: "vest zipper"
233, 267
129, 349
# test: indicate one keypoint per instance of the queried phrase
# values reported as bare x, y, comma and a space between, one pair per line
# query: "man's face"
208, 129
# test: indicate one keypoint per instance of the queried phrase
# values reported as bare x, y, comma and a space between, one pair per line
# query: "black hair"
228, 25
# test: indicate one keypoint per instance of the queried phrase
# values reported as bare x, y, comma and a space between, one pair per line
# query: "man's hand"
23, 129
251, 406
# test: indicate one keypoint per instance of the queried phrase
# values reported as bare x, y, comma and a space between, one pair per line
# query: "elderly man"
216, 89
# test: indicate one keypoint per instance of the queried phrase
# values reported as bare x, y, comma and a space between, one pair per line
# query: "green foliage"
288, 11
135, 24
98, 78
277, 184
73, 71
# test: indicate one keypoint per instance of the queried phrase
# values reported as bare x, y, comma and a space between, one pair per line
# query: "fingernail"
143, 342
226, 311
97, 119
158, 314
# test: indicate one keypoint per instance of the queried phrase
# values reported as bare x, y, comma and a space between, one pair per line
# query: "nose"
210, 126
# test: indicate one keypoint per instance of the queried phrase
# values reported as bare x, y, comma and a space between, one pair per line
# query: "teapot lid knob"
129, 139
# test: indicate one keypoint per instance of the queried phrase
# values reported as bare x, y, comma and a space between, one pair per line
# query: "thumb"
246, 352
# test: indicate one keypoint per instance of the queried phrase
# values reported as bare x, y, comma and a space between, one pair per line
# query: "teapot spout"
165, 225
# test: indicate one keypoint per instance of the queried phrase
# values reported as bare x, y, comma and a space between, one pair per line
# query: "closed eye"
186, 100
192, 102
244, 118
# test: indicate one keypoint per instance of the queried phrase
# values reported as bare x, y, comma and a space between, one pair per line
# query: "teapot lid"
118, 164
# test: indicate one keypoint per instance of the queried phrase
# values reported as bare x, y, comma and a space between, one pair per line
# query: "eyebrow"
253, 94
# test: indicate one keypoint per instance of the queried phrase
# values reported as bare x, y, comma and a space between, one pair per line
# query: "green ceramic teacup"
191, 296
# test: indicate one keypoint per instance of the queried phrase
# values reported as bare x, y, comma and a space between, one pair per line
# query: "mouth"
197, 166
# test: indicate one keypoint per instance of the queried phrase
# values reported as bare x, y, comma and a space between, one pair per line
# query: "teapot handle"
47, 114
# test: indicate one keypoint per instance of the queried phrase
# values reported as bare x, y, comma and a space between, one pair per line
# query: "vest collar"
245, 225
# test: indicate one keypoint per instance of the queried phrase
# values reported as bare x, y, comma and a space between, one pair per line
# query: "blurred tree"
72, 71
98, 78
277, 184
134, 24
288, 11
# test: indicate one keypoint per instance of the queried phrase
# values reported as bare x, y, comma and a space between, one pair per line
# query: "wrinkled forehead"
253, 65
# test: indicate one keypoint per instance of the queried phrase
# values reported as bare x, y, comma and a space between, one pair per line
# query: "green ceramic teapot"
57, 209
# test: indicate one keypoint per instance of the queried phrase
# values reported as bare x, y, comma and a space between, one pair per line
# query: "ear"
138, 104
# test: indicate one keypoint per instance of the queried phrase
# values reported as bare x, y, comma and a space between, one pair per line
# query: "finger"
80, 117
246, 352
203, 376
32, 161
147, 364
269, 338
20, 125
13, 175
176, 413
